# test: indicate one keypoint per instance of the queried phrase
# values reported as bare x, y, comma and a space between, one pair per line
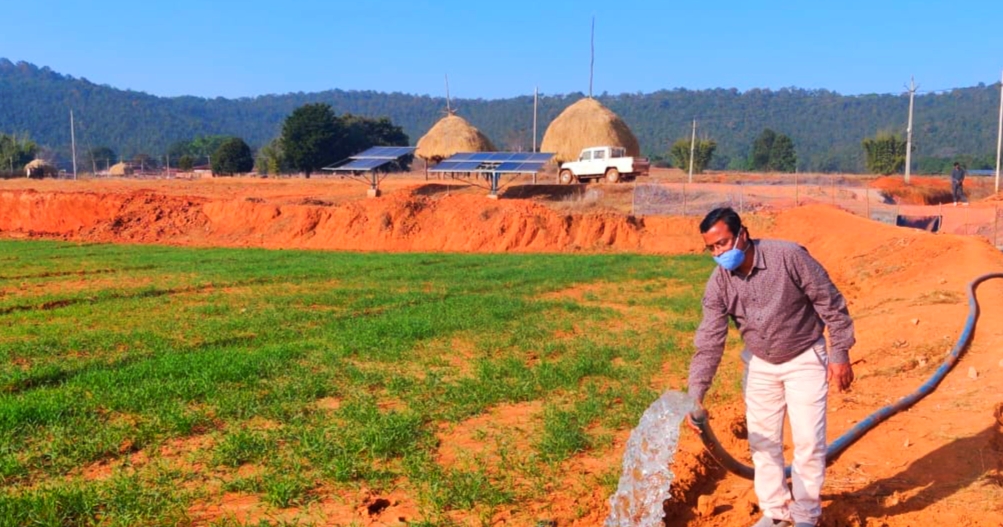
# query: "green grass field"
138, 381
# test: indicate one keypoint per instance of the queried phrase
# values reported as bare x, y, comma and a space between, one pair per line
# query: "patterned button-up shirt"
781, 308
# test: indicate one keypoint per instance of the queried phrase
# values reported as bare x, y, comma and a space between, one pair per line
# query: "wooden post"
996, 225
797, 202
684, 199
867, 200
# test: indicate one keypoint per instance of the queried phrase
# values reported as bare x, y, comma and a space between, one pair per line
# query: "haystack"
120, 169
450, 135
39, 168
583, 124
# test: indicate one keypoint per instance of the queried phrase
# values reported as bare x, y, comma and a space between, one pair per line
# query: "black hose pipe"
841, 443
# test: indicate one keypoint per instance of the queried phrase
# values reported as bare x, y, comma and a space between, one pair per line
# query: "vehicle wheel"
567, 177
612, 175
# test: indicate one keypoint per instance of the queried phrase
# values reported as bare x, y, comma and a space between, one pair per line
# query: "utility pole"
908, 132
73, 146
999, 138
536, 96
693, 147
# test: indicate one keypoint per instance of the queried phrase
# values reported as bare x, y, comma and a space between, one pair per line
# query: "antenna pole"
592, 61
536, 96
448, 109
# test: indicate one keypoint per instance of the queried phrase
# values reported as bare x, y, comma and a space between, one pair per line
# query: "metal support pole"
996, 225
797, 201
908, 131
999, 138
536, 96
867, 200
73, 145
693, 145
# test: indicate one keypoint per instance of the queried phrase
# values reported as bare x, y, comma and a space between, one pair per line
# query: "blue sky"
503, 49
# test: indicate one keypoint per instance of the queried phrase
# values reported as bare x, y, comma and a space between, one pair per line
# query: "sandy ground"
939, 463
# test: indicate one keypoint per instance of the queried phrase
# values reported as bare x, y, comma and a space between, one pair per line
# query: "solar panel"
359, 165
501, 156
456, 166
529, 167
384, 152
494, 162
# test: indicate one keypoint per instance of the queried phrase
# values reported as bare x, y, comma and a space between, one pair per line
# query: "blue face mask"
732, 258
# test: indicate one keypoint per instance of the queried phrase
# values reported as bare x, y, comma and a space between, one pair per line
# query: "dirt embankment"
941, 462
402, 222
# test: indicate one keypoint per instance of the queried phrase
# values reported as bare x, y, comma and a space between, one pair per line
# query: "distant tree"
783, 158
199, 148
16, 151
885, 153
364, 132
232, 157
270, 159
312, 138
759, 158
772, 152
186, 163
703, 153
144, 161
101, 157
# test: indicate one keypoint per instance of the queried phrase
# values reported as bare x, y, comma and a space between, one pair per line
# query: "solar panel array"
384, 152
494, 162
372, 158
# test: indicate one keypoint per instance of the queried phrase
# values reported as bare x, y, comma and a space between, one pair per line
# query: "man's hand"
842, 374
689, 418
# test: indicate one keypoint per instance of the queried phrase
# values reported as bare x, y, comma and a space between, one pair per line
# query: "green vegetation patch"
139, 381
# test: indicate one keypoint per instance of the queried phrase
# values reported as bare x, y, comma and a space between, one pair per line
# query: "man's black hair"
725, 214
957, 164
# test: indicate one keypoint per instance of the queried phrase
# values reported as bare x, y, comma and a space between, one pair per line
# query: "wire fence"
679, 199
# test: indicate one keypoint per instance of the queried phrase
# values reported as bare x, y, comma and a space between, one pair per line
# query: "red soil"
941, 462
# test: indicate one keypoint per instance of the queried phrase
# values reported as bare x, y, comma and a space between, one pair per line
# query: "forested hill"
826, 127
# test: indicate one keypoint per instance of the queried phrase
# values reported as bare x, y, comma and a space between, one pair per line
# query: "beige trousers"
798, 389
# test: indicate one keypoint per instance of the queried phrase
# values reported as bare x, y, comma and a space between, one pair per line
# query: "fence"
680, 199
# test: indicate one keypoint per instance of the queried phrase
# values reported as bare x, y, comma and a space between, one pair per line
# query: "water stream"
647, 462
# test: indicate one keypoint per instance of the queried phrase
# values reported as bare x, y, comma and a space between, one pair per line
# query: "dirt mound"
402, 222
922, 190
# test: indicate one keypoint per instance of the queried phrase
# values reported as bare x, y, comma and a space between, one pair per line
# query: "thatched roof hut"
450, 135
40, 168
120, 169
583, 124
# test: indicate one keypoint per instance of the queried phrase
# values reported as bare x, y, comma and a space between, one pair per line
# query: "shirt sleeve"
709, 340
828, 303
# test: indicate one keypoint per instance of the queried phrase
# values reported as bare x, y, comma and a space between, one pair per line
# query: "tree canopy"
232, 157
16, 151
772, 152
885, 153
703, 152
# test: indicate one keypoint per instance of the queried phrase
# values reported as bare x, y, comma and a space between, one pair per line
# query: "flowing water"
647, 473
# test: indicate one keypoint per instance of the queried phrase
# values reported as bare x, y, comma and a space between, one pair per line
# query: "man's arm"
831, 307
709, 340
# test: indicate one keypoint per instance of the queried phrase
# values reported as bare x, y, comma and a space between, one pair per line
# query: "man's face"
719, 239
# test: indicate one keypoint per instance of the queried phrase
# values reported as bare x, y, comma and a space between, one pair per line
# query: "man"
781, 300
957, 180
